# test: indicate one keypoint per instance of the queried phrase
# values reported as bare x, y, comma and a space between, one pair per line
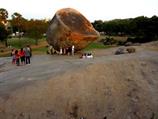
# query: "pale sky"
91, 9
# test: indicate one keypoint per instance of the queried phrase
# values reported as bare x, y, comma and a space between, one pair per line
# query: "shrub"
112, 41
108, 41
139, 39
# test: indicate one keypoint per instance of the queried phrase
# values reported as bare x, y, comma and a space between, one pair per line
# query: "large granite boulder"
69, 27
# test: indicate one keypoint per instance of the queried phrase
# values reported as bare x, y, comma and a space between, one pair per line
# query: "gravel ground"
61, 87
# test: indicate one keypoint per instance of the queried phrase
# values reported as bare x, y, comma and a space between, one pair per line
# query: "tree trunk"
36, 41
6, 42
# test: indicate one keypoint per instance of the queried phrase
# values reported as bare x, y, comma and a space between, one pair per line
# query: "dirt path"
60, 87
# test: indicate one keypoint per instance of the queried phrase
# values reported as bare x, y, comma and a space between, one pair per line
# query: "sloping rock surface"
69, 27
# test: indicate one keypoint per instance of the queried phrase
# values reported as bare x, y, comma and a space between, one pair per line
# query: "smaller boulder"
131, 50
120, 51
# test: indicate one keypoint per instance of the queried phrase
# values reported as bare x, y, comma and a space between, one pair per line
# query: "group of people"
22, 56
67, 51
86, 55
62, 51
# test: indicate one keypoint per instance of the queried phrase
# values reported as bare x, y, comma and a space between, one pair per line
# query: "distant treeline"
19, 26
142, 27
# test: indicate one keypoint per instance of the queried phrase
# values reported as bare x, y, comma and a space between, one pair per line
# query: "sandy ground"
61, 87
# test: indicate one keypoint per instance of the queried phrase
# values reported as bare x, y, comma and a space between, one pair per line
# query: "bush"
94, 45
22, 42
112, 41
108, 41
121, 42
139, 39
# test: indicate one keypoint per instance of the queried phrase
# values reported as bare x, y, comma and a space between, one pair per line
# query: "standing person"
27, 55
30, 51
64, 50
22, 56
51, 49
13, 56
48, 52
61, 51
17, 56
72, 50
69, 51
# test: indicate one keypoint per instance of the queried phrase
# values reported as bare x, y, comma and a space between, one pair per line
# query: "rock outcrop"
69, 27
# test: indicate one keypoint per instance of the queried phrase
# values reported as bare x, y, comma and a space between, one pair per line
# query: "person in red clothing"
17, 56
22, 56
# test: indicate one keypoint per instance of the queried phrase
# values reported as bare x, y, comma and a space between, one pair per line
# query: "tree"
18, 22
98, 25
153, 27
16, 15
4, 23
36, 28
3, 15
3, 32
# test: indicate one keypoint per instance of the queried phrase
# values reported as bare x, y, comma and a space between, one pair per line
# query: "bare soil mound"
114, 87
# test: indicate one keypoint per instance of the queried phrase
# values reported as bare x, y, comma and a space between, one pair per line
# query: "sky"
92, 9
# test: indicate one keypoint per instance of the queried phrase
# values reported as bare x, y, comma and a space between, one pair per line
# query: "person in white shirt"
73, 50
89, 55
61, 51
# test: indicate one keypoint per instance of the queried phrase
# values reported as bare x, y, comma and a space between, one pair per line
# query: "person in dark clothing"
30, 51
27, 54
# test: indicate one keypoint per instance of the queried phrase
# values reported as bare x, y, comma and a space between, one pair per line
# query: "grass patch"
41, 49
118, 38
22, 42
19, 43
6, 54
96, 45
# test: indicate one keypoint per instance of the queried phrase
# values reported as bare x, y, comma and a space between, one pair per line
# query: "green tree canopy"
36, 28
18, 23
3, 32
139, 27
3, 15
